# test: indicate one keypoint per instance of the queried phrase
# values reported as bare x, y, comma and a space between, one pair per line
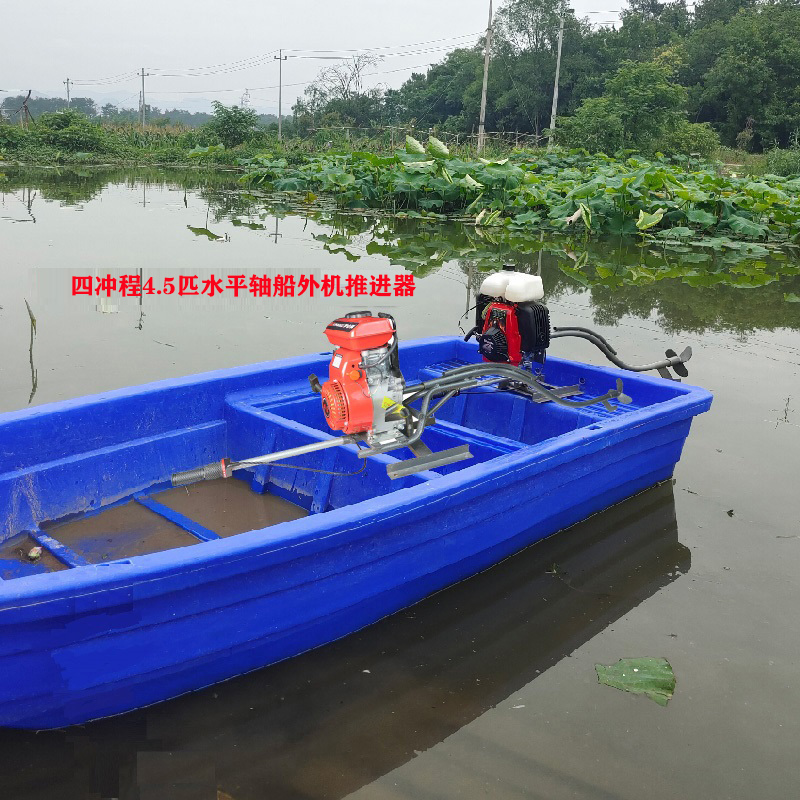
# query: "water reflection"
329, 722
727, 285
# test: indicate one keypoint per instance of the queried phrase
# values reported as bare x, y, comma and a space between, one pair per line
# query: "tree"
597, 127
231, 125
338, 92
710, 11
647, 102
747, 68
639, 106
531, 24
448, 94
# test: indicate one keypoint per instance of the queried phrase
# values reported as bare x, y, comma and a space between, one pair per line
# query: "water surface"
487, 689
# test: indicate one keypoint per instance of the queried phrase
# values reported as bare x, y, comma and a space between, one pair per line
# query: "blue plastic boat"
141, 591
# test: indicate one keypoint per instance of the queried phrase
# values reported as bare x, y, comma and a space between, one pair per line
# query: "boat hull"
106, 638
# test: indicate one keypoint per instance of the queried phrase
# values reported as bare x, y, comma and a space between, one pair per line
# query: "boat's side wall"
143, 642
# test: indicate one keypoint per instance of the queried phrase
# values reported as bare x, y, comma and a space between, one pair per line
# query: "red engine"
364, 377
500, 339
510, 325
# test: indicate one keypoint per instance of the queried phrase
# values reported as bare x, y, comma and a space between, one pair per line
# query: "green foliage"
671, 201
11, 137
742, 69
231, 125
70, 131
640, 104
597, 126
652, 677
687, 138
647, 101
44, 105
784, 162
201, 152
696, 284
436, 148
733, 64
413, 146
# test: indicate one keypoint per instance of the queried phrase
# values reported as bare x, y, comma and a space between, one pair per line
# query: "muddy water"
487, 689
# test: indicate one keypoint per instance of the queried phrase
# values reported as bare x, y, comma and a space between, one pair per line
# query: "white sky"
47, 41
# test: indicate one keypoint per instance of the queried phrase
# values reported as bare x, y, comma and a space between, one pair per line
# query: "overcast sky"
217, 50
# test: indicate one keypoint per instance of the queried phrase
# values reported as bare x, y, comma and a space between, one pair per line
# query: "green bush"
784, 162
11, 137
639, 107
596, 127
71, 132
689, 137
231, 125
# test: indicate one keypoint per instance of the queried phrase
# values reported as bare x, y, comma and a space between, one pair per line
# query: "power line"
233, 66
118, 78
285, 85
229, 66
390, 47
401, 50
287, 55
306, 83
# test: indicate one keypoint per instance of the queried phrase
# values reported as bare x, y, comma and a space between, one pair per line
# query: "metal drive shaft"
224, 468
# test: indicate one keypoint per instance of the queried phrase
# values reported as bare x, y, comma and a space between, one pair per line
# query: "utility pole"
67, 82
280, 58
26, 117
554, 111
144, 114
482, 122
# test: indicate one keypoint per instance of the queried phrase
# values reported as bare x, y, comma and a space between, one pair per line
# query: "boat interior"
119, 503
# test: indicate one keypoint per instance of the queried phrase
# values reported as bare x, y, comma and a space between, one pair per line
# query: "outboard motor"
364, 379
511, 326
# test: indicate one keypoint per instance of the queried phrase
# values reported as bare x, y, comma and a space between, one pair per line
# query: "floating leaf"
678, 232
197, 152
204, 232
791, 297
528, 218
652, 677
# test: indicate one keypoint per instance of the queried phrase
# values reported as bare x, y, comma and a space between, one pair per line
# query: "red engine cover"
504, 317
360, 333
346, 400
